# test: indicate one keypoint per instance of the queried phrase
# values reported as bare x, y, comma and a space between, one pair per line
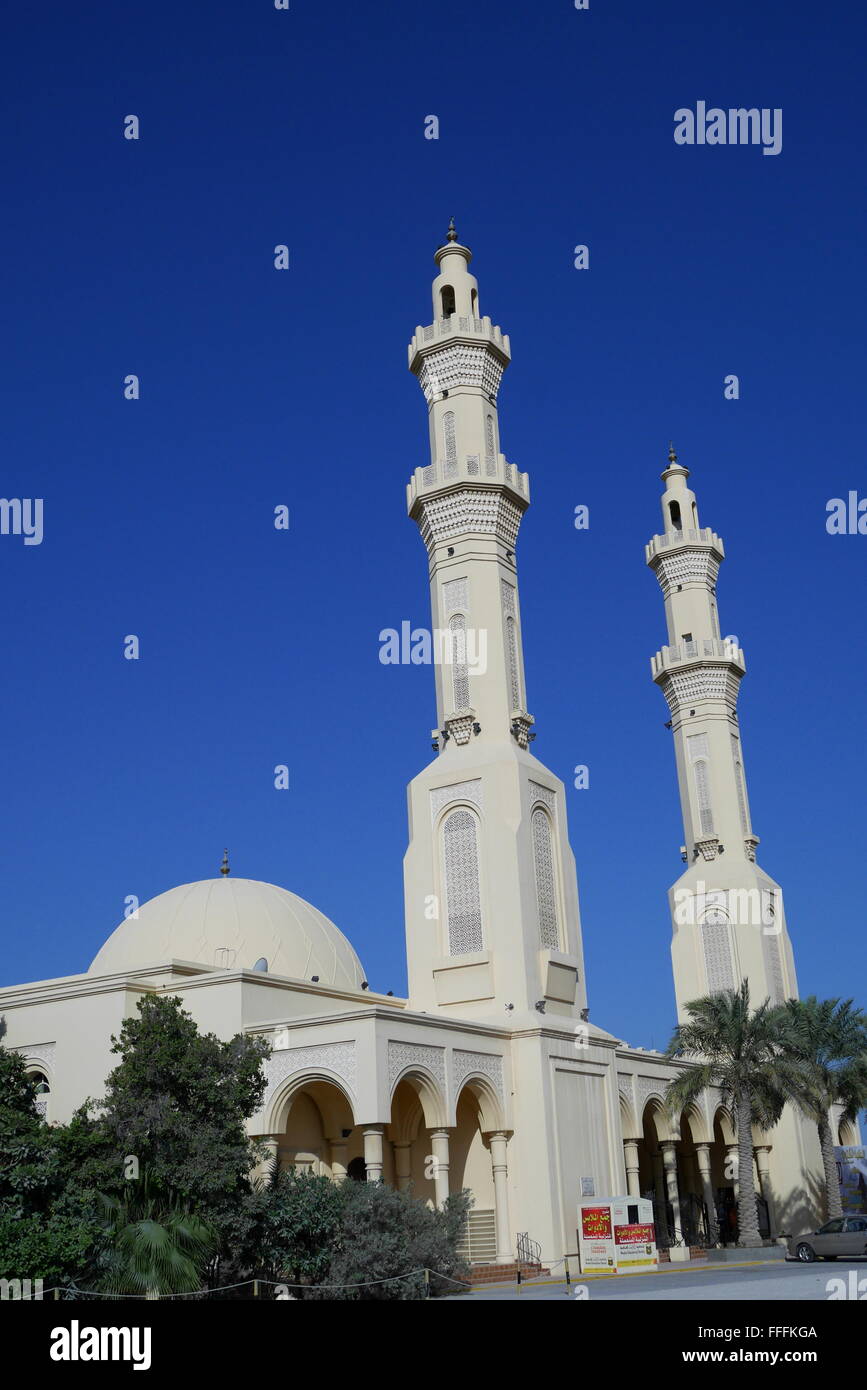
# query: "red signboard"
633, 1235
596, 1223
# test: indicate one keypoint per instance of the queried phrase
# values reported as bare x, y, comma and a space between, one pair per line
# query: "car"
845, 1235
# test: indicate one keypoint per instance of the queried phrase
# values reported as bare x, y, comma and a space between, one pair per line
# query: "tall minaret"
727, 914
491, 897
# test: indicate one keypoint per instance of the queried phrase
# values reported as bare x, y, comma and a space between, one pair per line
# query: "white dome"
233, 923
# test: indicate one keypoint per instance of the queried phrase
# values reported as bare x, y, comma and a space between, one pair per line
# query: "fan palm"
154, 1244
735, 1049
827, 1038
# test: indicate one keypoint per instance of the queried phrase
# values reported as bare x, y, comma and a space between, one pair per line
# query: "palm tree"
827, 1038
736, 1050
153, 1243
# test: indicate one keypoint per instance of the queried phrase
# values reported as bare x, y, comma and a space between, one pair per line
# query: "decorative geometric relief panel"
697, 747
739, 785
702, 787
490, 451
339, 1058
456, 596
706, 683
464, 1064
461, 364
687, 567
403, 1054
38, 1052
717, 956
449, 436
546, 890
624, 1085
540, 793
460, 859
460, 670
774, 967
649, 1086
457, 791
486, 513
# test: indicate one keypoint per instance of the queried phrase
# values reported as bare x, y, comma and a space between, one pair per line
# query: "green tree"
386, 1233
176, 1104
299, 1216
737, 1050
153, 1243
827, 1039
47, 1225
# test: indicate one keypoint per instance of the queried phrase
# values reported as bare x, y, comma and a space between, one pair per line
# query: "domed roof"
233, 923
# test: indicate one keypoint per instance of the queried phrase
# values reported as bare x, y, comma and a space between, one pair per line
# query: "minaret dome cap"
452, 246
673, 469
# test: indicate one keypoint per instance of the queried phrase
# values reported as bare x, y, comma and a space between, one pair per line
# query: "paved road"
778, 1280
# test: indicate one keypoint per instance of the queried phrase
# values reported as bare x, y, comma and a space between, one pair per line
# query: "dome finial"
224, 867
452, 234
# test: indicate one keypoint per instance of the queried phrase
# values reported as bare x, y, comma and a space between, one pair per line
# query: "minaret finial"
224, 867
452, 234
672, 456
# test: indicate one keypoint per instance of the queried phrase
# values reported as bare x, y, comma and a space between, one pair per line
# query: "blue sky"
259, 647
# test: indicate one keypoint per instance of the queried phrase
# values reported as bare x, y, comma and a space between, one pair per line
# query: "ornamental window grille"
460, 853
739, 785
460, 670
490, 451
449, 437
715, 936
514, 678
546, 887
702, 789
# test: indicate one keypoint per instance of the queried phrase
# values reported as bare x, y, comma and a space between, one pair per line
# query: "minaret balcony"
454, 329
473, 470
704, 652
673, 541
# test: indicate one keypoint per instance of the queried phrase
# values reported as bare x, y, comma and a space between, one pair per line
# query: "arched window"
262, 965
674, 513
43, 1091
546, 885
460, 670
460, 859
474, 301
447, 299
449, 437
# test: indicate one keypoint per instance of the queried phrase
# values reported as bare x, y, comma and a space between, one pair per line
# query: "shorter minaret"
727, 914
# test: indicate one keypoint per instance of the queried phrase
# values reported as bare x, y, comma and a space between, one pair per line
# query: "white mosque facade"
490, 1075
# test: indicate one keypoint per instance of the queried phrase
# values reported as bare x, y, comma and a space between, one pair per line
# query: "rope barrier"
244, 1283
